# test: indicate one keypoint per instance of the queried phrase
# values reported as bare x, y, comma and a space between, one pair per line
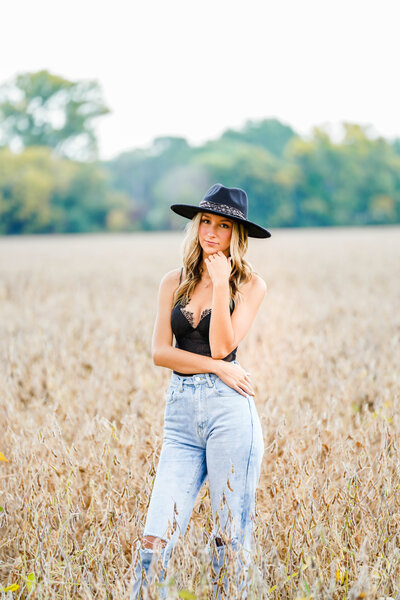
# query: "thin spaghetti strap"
180, 278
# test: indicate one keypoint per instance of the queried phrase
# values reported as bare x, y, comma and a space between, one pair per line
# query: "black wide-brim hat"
229, 202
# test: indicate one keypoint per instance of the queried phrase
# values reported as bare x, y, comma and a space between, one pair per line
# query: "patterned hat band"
229, 210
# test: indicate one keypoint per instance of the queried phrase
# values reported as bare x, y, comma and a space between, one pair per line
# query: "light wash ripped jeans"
210, 430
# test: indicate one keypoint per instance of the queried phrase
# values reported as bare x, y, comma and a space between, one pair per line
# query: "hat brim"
188, 211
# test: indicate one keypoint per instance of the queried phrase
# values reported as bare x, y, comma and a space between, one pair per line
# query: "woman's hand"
219, 267
235, 376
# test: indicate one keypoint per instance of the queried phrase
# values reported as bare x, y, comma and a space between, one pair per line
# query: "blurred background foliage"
51, 180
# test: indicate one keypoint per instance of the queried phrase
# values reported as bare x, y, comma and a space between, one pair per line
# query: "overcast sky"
193, 69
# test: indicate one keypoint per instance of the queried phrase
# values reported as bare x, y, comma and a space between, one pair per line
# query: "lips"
211, 243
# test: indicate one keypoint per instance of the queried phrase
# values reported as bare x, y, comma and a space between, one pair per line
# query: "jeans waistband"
196, 379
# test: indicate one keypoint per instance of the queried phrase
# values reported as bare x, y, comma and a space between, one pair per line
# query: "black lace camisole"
190, 338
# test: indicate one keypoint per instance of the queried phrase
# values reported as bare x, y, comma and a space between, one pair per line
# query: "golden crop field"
82, 410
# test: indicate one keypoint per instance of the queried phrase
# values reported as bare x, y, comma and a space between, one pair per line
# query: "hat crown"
231, 200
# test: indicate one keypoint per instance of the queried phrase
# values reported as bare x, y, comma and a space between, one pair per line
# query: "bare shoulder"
253, 292
258, 282
170, 280
256, 285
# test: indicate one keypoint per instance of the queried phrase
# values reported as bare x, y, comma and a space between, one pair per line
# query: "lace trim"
190, 316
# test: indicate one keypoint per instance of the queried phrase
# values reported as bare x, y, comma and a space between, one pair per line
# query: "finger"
249, 389
241, 391
246, 391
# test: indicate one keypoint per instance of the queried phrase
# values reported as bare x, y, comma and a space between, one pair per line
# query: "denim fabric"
210, 430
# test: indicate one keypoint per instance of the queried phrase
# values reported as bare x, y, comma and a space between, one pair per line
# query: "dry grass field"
82, 410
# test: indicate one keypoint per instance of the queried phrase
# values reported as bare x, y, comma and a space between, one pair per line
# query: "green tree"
270, 134
138, 173
43, 193
42, 109
353, 182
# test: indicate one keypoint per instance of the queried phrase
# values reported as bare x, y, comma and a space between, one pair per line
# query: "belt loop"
181, 384
209, 380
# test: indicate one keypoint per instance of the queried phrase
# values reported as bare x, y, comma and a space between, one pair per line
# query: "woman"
211, 425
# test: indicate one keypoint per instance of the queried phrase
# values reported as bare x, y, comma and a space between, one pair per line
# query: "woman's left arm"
226, 330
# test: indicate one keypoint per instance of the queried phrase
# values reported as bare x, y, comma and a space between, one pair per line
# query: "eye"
206, 220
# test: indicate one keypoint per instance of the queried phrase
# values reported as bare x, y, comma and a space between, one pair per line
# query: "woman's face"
215, 232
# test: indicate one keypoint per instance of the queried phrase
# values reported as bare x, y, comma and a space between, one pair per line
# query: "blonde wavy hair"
191, 251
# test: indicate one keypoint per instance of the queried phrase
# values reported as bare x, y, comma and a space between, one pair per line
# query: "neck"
205, 278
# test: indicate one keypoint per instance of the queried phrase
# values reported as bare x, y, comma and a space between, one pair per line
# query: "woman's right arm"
163, 352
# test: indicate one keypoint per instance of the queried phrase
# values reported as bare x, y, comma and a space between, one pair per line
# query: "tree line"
51, 180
